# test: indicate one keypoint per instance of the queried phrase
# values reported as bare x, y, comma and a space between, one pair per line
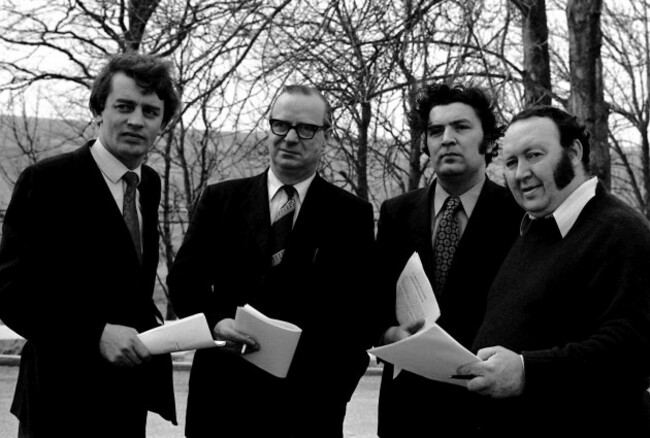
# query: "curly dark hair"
151, 73
443, 94
568, 125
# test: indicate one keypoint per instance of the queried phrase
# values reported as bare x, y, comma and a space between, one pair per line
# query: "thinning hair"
568, 126
307, 91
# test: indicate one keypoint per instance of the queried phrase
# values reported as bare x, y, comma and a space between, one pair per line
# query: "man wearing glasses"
311, 272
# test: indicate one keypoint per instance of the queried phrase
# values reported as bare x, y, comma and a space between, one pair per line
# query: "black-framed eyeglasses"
305, 131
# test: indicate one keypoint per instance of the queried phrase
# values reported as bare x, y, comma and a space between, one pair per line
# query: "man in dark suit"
317, 281
78, 263
565, 343
460, 129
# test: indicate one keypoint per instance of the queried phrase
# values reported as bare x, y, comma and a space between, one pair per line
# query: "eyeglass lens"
306, 132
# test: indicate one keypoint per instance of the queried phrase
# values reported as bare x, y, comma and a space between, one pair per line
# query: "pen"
313, 260
462, 376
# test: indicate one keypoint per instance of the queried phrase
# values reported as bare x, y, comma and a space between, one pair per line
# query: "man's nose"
523, 170
136, 118
292, 136
448, 136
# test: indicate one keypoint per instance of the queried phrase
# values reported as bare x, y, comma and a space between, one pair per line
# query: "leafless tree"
626, 58
587, 100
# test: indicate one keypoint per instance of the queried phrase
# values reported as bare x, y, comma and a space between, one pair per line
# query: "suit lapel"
255, 210
303, 242
470, 249
149, 200
476, 223
98, 205
420, 225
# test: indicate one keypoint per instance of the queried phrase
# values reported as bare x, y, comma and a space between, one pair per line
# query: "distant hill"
24, 141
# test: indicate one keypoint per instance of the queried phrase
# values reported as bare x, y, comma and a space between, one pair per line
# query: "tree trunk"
139, 12
415, 152
587, 101
166, 225
537, 66
362, 152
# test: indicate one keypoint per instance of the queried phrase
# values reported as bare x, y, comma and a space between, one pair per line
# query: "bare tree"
537, 66
587, 98
626, 57
208, 41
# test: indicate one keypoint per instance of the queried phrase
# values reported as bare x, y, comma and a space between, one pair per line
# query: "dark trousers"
127, 423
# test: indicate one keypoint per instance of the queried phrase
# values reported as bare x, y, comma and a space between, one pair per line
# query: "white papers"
277, 340
414, 294
431, 352
188, 333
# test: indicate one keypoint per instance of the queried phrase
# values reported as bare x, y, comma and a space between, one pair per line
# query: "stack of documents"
431, 352
189, 333
277, 340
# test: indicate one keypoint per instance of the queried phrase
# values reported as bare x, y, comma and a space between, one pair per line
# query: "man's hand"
236, 341
399, 332
121, 346
500, 373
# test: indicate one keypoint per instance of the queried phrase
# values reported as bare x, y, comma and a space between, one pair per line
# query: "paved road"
360, 422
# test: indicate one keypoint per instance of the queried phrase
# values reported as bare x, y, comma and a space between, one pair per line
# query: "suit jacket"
320, 286
68, 267
405, 227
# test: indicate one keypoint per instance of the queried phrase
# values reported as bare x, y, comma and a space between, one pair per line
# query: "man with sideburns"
565, 342
460, 206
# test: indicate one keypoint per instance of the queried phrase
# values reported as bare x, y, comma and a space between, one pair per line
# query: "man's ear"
425, 146
575, 151
489, 148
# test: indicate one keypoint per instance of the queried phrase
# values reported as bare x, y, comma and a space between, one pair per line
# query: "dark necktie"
447, 238
282, 225
130, 211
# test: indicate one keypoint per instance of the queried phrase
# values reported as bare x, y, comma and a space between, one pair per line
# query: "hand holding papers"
277, 340
188, 333
431, 352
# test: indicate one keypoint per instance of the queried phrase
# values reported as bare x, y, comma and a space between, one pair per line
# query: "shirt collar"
467, 199
110, 166
568, 211
274, 184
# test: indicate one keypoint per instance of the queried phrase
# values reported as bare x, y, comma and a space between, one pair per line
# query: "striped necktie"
282, 226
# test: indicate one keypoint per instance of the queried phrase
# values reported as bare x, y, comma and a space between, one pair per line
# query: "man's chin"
451, 171
290, 162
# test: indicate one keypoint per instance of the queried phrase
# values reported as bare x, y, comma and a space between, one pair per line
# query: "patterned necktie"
130, 211
282, 225
447, 238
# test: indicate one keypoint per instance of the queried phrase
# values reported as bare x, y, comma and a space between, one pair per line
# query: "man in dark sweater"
565, 343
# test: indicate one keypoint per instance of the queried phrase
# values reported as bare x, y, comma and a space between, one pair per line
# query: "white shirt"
277, 197
468, 201
113, 169
566, 214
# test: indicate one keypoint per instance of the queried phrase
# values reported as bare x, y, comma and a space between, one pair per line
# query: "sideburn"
563, 173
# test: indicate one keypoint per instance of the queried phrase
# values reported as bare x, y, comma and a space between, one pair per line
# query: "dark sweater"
578, 309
